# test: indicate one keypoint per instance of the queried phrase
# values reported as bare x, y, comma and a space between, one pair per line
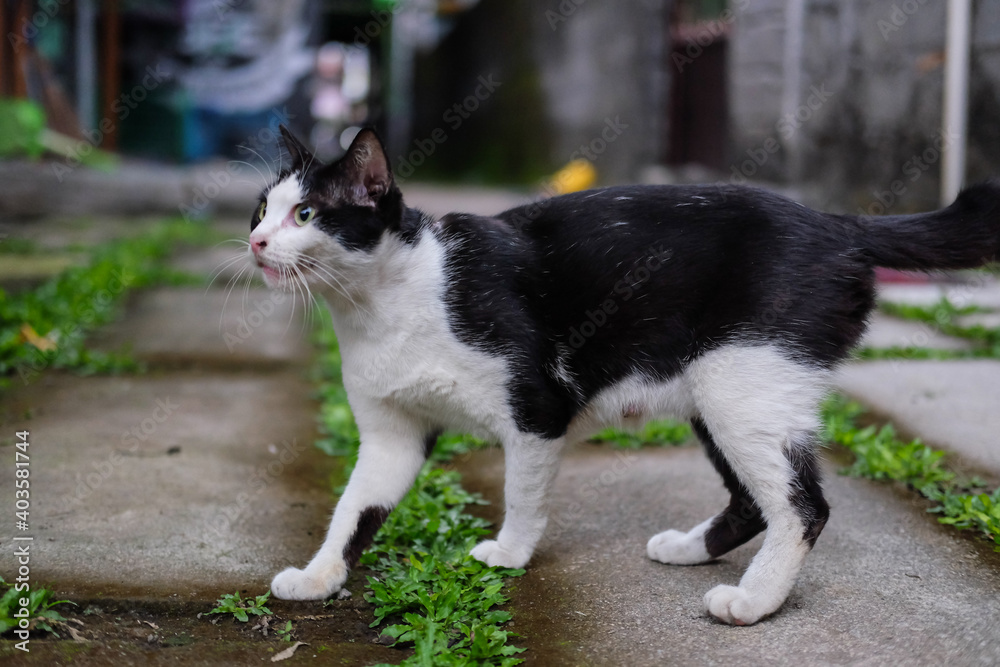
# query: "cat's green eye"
262, 210
303, 214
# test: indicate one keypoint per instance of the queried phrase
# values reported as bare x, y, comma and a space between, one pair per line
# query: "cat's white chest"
426, 371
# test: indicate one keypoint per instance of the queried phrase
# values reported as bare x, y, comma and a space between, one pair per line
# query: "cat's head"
318, 224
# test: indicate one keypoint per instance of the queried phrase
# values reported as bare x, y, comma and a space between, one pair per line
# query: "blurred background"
842, 103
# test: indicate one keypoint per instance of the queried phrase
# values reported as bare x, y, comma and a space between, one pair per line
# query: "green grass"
40, 608
47, 327
242, 610
666, 432
880, 454
943, 316
285, 633
13, 245
426, 589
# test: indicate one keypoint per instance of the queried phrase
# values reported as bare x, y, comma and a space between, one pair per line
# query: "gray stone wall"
602, 66
867, 126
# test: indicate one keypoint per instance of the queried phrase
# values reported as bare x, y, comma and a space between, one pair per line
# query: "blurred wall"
865, 117
604, 74
566, 79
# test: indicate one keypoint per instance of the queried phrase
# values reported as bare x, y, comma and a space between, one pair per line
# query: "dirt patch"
156, 632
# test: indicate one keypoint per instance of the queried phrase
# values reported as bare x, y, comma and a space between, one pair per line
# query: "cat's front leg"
392, 451
531, 465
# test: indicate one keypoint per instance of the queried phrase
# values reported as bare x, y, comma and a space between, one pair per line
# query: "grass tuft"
46, 327
232, 603
40, 608
880, 454
943, 316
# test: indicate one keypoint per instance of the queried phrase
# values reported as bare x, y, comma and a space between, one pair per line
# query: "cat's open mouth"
272, 275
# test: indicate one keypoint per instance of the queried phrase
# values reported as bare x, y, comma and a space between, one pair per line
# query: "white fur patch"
758, 403
631, 403
676, 548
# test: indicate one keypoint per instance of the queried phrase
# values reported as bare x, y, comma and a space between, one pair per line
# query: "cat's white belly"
631, 403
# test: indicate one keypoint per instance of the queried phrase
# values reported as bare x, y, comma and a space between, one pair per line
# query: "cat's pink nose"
257, 245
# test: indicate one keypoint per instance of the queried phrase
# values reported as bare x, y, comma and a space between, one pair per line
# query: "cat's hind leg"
531, 464
735, 525
760, 409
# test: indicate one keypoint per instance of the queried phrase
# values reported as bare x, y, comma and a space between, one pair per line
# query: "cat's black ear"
367, 167
301, 156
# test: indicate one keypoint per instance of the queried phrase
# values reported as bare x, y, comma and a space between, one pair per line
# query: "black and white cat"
728, 306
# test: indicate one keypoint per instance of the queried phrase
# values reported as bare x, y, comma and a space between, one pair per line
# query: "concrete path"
885, 584
953, 405
197, 476
154, 494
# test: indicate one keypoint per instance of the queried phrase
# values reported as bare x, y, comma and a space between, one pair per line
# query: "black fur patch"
807, 492
369, 522
636, 280
742, 519
429, 443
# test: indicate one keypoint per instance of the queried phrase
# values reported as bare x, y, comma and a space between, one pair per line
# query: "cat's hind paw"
737, 606
296, 584
493, 554
676, 548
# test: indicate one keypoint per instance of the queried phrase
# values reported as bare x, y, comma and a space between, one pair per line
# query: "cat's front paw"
676, 548
737, 606
493, 554
296, 584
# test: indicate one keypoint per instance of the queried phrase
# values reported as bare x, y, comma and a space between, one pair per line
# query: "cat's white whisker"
231, 285
224, 266
242, 242
318, 271
308, 300
264, 179
266, 163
